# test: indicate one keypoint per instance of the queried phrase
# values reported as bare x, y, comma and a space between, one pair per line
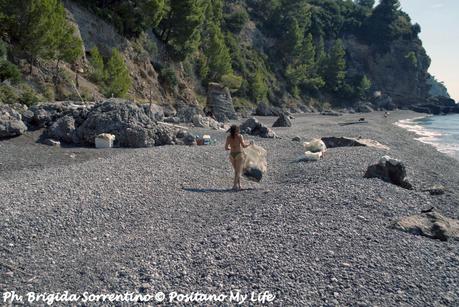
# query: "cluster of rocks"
437, 106
76, 123
253, 127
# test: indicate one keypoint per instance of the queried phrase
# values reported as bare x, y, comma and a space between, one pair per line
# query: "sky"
439, 20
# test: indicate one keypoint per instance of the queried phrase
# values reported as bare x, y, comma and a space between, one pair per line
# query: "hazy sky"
439, 20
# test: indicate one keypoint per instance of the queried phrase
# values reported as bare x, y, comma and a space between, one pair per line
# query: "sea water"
439, 131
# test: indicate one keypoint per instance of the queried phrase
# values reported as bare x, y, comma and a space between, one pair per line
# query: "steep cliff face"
401, 72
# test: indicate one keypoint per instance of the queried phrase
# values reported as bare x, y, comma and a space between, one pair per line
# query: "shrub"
236, 21
168, 76
28, 96
9, 71
8, 95
232, 81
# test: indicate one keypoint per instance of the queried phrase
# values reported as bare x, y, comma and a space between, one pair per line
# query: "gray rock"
389, 170
63, 130
154, 111
264, 109
220, 103
189, 139
296, 139
11, 124
127, 121
283, 121
436, 190
172, 120
186, 112
430, 224
253, 127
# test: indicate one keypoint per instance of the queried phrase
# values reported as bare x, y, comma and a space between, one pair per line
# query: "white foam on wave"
428, 136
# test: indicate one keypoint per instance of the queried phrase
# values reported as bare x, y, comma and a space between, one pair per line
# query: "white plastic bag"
255, 163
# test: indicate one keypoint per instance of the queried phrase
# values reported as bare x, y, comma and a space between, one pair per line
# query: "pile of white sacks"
315, 150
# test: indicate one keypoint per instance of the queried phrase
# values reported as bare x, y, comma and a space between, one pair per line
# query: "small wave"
434, 138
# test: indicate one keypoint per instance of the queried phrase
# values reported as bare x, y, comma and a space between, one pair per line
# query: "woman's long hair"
234, 131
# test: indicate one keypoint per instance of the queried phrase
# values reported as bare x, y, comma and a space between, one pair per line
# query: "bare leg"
238, 170
233, 163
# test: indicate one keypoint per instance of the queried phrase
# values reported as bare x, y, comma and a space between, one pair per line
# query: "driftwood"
353, 123
172, 125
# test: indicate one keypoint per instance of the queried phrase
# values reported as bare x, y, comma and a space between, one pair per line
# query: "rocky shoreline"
163, 219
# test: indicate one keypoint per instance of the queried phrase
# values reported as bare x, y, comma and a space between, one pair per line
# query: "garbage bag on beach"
316, 145
255, 163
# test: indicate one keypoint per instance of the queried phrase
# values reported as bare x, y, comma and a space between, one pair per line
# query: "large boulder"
220, 103
430, 224
63, 129
283, 121
128, 122
253, 127
389, 170
11, 124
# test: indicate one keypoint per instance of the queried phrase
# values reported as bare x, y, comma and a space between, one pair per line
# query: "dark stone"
154, 111
253, 127
283, 121
389, 170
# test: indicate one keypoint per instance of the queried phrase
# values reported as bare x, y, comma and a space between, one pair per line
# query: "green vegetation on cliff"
329, 50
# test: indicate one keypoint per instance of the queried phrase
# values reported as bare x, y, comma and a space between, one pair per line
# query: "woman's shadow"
215, 190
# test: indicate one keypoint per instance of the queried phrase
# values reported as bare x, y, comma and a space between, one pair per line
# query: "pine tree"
117, 81
180, 29
30, 25
65, 45
97, 65
258, 86
335, 71
381, 26
219, 59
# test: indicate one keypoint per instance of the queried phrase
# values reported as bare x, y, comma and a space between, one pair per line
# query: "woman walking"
235, 144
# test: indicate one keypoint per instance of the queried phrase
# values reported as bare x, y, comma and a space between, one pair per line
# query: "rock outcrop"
253, 127
127, 121
11, 124
430, 224
220, 103
283, 121
389, 170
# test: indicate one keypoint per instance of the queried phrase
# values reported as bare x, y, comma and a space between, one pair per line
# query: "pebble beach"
165, 219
